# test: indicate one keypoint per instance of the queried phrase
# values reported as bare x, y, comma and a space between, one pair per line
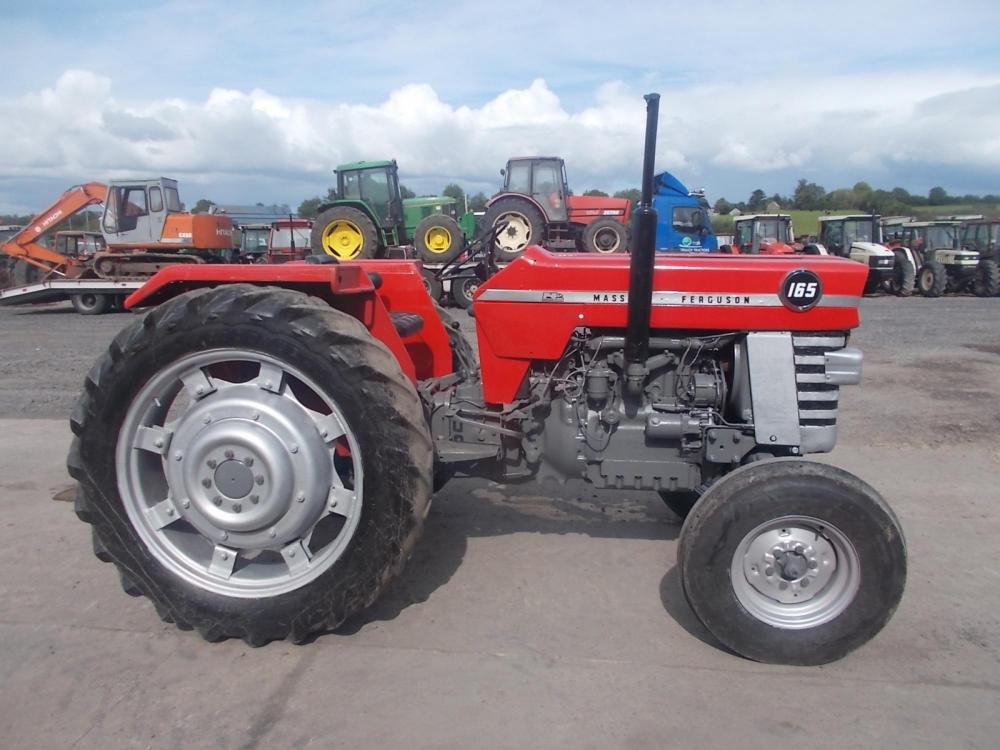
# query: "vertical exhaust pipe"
640, 286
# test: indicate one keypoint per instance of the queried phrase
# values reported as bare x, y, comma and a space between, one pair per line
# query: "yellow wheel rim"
437, 240
343, 239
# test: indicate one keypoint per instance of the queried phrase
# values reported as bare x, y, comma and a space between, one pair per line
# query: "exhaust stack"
640, 287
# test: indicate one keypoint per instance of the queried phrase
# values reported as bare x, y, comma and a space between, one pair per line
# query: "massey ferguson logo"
801, 290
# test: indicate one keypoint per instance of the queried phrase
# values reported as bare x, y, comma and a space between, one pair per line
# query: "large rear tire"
525, 225
903, 277
792, 562
987, 280
345, 233
606, 236
231, 451
438, 239
933, 279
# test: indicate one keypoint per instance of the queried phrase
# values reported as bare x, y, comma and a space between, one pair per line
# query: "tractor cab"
542, 178
374, 187
983, 236
136, 210
840, 233
859, 237
79, 244
767, 234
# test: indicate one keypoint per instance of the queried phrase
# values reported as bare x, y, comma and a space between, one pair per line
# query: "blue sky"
251, 101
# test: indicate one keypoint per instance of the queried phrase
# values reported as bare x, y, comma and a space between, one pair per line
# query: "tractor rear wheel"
431, 283
903, 278
605, 235
91, 304
987, 281
525, 225
231, 451
792, 562
345, 233
438, 239
933, 279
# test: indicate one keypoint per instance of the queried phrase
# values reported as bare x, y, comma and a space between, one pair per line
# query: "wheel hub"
790, 564
255, 472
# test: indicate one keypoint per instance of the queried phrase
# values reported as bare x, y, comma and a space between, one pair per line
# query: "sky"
258, 102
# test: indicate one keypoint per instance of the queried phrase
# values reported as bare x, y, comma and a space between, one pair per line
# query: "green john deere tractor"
369, 215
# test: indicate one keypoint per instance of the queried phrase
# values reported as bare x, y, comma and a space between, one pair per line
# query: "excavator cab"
136, 210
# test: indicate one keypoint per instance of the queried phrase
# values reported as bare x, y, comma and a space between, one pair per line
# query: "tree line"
809, 196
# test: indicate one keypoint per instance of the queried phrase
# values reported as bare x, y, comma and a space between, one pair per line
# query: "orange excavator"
144, 230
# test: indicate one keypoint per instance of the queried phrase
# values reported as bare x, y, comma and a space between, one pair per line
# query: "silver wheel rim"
469, 289
516, 235
601, 243
795, 572
240, 475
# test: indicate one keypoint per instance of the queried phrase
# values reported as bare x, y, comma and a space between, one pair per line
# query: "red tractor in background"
257, 455
763, 234
537, 207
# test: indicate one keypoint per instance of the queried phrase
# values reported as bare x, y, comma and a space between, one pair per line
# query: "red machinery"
537, 208
258, 454
144, 229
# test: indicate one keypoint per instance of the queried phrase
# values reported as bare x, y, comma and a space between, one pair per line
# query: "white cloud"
238, 146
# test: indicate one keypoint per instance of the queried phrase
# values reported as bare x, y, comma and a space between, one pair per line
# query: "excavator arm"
25, 245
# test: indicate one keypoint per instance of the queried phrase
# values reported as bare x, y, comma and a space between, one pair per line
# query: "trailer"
89, 296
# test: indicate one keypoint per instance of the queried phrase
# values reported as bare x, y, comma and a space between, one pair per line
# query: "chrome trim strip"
660, 299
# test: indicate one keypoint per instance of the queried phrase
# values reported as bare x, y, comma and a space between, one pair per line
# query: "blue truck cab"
683, 224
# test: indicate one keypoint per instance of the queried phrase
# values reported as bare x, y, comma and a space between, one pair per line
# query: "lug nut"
211, 463
248, 460
237, 507
229, 454
206, 482
254, 499
294, 448
217, 500
301, 497
178, 456
259, 479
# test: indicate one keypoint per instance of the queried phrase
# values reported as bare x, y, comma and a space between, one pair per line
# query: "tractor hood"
871, 248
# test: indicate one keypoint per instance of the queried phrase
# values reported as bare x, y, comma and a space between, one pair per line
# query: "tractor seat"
406, 324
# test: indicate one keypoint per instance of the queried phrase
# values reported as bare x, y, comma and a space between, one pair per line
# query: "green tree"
405, 192
595, 194
937, 196
723, 207
758, 200
808, 196
477, 202
202, 206
309, 207
453, 190
633, 194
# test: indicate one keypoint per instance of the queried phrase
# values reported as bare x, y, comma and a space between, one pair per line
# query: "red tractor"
257, 455
537, 208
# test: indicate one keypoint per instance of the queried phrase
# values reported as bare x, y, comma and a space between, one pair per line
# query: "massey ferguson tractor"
257, 454
535, 207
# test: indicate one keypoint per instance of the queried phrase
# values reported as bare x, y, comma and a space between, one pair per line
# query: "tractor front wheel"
606, 235
231, 451
987, 281
792, 562
523, 225
345, 233
933, 279
463, 289
438, 239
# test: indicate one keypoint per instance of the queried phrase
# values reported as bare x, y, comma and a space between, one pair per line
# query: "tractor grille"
817, 398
